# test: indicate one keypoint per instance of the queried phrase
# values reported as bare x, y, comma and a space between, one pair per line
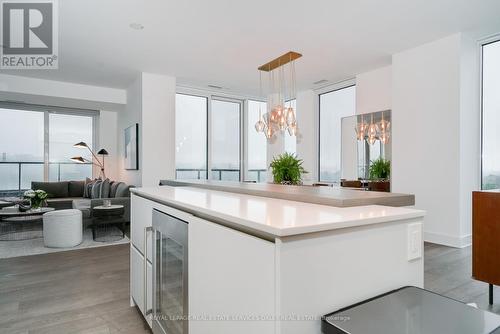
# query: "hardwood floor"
87, 291
82, 291
448, 272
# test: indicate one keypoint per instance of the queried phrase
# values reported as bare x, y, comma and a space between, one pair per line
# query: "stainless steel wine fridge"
170, 274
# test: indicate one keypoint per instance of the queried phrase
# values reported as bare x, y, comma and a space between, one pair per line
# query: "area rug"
10, 249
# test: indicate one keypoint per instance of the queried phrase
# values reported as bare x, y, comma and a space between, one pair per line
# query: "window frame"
240, 131
326, 90
481, 44
207, 125
47, 110
246, 128
222, 96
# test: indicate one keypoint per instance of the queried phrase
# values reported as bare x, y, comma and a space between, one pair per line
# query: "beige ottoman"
62, 228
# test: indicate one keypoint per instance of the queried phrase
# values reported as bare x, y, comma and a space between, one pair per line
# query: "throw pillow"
105, 187
87, 188
112, 189
96, 189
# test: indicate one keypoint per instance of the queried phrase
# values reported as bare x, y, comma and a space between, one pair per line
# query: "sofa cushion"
53, 189
105, 187
122, 190
75, 188
61, 203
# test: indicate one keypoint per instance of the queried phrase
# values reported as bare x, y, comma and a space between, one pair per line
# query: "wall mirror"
365, 139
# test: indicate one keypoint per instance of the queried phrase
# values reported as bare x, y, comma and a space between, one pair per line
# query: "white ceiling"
222, 42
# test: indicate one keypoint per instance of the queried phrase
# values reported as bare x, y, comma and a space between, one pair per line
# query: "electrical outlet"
414, 241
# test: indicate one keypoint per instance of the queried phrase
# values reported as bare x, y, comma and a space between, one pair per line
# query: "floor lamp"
95, 161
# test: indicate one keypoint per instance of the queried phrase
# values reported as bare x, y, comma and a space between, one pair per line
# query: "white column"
158, 128
426, 134
128, 117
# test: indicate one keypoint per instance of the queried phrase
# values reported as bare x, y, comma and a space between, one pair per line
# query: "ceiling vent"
320, 82
136, 26
214, 86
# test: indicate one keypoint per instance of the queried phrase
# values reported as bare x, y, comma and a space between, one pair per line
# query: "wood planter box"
384, 186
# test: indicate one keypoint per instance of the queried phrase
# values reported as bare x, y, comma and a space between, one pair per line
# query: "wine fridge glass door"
170, 275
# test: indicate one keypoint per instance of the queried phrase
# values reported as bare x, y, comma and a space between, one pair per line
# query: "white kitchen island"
265, 265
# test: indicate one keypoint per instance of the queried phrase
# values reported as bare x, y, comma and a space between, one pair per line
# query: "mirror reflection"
366, 151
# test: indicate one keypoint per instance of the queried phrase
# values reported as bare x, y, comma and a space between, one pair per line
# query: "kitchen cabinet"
264, 265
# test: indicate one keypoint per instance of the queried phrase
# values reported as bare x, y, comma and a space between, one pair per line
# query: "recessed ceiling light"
136, 26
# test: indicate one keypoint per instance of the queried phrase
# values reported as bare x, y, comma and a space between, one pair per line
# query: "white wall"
130, 116
374, 90
470, 131
151, 104
58, 93
158, 128
430, 147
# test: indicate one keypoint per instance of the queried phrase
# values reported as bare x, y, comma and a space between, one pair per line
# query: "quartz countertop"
271, 217
332, 196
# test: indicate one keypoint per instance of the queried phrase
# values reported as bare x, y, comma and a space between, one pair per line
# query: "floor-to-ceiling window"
64, 131
191, 137
217, 134
21, 148
491, 116
208, 137
36, 144
333, 106
256, 160
225, 136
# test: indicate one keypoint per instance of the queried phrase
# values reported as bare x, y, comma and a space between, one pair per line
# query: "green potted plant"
287, 169
380, 172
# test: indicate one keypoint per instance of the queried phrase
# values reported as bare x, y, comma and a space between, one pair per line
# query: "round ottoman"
62, 228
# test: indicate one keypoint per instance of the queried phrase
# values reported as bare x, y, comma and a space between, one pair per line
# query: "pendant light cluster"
278, 117
373, 131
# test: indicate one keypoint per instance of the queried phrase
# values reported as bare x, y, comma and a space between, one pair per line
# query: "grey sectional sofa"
70, 195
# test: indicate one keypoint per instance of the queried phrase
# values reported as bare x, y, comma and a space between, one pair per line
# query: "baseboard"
448, 240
